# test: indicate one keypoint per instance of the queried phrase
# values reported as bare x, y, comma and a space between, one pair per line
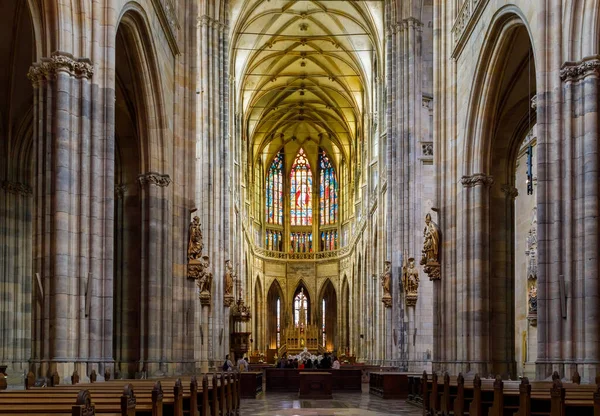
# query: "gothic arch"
133, 26
274, 293
500, 117
508, 23
310, 309
329, 295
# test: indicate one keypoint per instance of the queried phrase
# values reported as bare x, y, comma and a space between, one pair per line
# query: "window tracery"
301, 191
274, 191
328, 191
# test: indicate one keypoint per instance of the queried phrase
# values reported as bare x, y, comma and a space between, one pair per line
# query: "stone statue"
431, 241
386, 284
195, 244
228, 284
386, 280
431, 249
533, 299
205, 279
228, 297
410, 281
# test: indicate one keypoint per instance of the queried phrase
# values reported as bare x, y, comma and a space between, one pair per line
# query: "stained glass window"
301, 243
329, 240
328, 196
323, 322
274, 240
301, 191
274, 191
278, 322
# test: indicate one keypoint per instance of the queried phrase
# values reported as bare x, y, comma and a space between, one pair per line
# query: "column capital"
574, 71
47, 68
154, 178
477, 179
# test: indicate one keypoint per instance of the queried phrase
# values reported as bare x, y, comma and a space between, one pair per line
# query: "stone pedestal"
315, 385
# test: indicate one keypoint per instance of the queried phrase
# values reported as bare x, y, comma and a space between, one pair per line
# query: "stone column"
477, 312
213, 179
156, 283
73, 215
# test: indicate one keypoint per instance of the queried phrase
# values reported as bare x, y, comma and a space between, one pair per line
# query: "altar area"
299, 338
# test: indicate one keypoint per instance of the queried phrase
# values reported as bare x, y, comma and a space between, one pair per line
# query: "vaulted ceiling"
303, 72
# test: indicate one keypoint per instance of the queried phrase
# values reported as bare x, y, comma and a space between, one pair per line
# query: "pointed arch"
274, 194
302, 288
301, 191
259, 313
275, 315
327, 307
328, 192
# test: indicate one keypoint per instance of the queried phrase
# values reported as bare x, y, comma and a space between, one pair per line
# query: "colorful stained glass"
274, 240
301, 191
329, 240
274, 191
328, 197
301, 243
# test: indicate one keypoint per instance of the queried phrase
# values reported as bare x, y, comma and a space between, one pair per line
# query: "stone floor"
343, 404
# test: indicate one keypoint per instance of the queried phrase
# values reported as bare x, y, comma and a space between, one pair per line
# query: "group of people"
242, 364
327, 362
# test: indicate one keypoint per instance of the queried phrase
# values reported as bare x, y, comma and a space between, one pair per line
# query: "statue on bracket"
228, 297
198, 264
195, 244
431, 249
204, 281
410, 281
386, 283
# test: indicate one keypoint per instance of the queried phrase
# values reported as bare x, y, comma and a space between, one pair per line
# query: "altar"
301, 336
297, 338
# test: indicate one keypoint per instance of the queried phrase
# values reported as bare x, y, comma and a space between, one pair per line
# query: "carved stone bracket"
433, 270
154, 179
510, 191
477, 179
228, 300
47, 68
17, 188
574, 71
387, 301
411, 299
120, 190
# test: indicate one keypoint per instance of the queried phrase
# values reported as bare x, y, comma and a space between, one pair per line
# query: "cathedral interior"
410, 184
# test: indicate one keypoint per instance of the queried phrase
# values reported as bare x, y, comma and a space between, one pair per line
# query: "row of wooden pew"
217, 395
497, 397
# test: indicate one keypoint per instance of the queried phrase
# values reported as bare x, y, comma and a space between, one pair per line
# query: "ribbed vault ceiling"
303, 71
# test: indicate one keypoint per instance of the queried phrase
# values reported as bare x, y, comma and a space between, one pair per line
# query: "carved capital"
510, 191
154, 179
17, 188
477, 179
47, 68
574, 71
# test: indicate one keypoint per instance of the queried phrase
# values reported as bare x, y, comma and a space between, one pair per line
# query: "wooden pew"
52, 402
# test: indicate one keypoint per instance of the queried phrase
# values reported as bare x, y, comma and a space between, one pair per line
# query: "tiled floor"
343, 404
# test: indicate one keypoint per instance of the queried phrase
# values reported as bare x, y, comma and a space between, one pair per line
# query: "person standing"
227, 365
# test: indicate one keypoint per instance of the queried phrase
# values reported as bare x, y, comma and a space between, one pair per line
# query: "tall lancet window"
301, 191
300, 309
328, 191
274, 191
